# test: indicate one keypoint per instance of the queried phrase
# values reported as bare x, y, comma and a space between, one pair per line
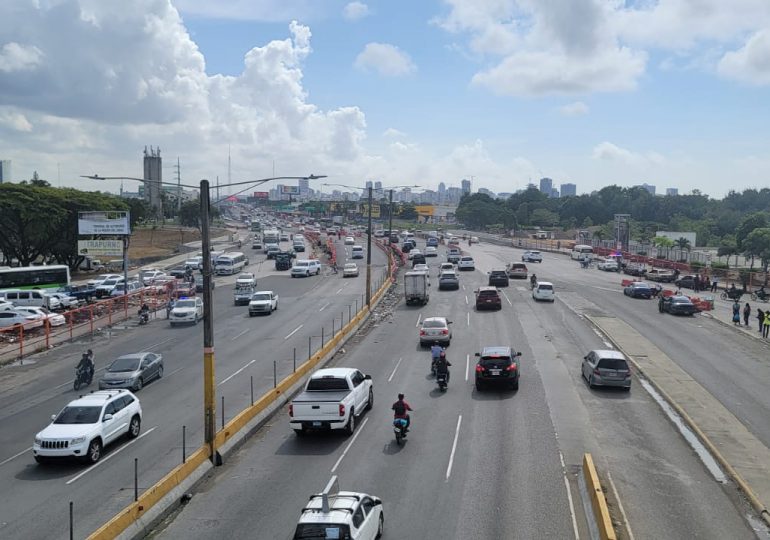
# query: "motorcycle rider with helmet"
533, 280
87, 364
442, 366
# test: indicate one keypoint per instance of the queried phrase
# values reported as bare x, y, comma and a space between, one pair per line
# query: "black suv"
686, 282
418, 259
498, 278
497, 365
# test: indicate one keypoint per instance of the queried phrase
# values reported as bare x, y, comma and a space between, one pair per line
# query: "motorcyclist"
144, 312
442, 365
401, 411
533, 280
435, 352
87, 364
169, 306
761, 292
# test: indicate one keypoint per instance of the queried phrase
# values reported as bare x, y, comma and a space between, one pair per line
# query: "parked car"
608, 265
687, 282
11, 317
517, 270
120, 288
448, 279
86, 425
132, 371
677, 305
435, 330
84, 293
638, 289
660, 274
350, 270
184, 289
497, 365
606, 368
543, 290
263, 302
488, 298
498, 278
532, 256
635, 269
54, 319
65, 300
101, 278
178, 272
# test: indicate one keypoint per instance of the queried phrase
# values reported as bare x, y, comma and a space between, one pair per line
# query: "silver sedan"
132, 371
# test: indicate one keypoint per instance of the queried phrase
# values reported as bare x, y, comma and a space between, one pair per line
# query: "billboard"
424, 210
100, 248
375, 210
111, 222
290, 190
261, 194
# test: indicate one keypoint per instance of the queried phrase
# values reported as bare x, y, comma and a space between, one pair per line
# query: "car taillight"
291, 410
479, 369
342, 409
597, 372
512, 367
422, 332
445, 332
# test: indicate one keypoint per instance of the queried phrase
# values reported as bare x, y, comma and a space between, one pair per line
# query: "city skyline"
622, 95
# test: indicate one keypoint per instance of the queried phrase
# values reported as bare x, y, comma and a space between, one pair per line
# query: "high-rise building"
153, 176
5, 170
466, 187
546, 185
568, 190
304, 187
554, 193
487, 192
649, 188
369, 184
672, 192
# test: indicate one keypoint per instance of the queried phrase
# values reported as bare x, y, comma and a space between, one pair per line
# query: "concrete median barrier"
598, 501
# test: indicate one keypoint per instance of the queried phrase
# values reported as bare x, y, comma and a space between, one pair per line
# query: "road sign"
100, 248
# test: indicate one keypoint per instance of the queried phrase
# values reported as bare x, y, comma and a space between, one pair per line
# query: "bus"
581, 251
256, 226
230, 263
35, 277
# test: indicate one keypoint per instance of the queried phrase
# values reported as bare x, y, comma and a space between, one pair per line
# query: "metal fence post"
295, 359
72, 529
309, 346
251, 387
184, 444
275, 374
136, 479
223, 412
349, 317
322, 337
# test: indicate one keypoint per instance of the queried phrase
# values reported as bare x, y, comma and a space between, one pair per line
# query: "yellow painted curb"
598, 502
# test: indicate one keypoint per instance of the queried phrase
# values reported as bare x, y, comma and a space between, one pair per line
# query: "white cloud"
256, 10
386, 59
607, 151
355, 11
394, 133
16, 57
576, 108
14, 120
751, 63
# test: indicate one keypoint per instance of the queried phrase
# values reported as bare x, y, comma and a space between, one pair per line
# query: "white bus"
230, 263
581, 251
271, 236
35, 277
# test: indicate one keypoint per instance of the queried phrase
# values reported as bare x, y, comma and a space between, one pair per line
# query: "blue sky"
593, 92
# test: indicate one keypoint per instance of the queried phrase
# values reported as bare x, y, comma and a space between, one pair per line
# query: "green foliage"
757, 244
407, 211
753, 221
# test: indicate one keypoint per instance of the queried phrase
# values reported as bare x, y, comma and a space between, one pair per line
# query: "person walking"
766, 324
746, 314
714, 283
737, 313
760, 318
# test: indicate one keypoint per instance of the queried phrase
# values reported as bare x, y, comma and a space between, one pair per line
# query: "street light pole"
369, 254
390, 211
209, 390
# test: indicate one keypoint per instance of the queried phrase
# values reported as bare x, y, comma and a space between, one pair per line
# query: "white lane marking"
175, 371
419, 317
70, 382
236, 373
506, 297
454, 447
620, 506
606, 289
326, 305
344, 452
467, 365
469, 318
389, 378
339, 290
294, 331
569, 497
15, 456
153, 347
601, 336
463, 287
466, 299
115, 453
239, 335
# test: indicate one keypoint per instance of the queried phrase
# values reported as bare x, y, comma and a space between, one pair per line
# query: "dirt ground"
163, 242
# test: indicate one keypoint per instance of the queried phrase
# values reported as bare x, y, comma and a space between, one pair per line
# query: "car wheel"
351, 427
370, 401
251, 314
40, 459
515, 385
134, 427
94, 453
139, 384
478, 386
160, 372
380, 526
591, 382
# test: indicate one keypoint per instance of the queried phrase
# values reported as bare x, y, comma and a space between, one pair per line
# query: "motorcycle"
442, 380
761, 295
734, 295
399, 428
83, 377
144, 318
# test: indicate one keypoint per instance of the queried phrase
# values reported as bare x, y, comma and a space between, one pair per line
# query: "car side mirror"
518, 354
367, 377
477, 354
107, 416
53, 417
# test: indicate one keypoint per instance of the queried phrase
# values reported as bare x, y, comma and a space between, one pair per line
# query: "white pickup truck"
332, 399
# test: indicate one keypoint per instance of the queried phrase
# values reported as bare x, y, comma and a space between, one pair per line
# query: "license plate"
495, 371
316, 424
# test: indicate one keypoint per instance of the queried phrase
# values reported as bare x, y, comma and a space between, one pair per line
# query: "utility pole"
390, 211
179, 190
369, 254
209, 387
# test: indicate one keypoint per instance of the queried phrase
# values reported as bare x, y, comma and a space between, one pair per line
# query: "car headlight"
78, 440
38, 441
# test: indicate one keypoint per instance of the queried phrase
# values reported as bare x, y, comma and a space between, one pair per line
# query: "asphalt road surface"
34, 499
498, 463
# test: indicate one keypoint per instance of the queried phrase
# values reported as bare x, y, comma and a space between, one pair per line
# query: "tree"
407, 211
544, 218
757, 244
684, 245
35, 181
728, 247
663, 242
190, 214
753, 221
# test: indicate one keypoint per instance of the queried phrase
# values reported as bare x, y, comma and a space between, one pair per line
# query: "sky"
673, 93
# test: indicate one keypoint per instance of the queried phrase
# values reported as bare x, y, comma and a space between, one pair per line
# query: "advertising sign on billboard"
261, 194
425, 210
100, 248
290, 190
375, 210
112, 223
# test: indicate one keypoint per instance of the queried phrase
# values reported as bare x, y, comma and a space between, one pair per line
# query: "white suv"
306, 268
186, 310
88, 424
466, 263
357, 516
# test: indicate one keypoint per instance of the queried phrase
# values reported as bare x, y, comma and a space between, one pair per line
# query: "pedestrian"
169, 307
696, 283
714, 283
766, 324
737, 313
760, 319
746, 314
705, 283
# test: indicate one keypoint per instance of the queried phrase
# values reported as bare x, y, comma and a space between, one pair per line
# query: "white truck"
416, 287
333, 399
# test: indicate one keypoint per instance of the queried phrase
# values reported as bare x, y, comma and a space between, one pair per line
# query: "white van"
581, 251
230, 263
357, 252
29, 297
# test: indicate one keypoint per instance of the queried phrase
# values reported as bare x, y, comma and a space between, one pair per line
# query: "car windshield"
434, 324
185, 304
109, 282
680, 300
261, 297
246, 276
129, 363
544, 287
467, 259
78, 415
488, 293
612, 363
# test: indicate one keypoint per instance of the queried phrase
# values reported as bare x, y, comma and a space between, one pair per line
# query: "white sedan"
349, 240
431, 251
54, 319
350, 270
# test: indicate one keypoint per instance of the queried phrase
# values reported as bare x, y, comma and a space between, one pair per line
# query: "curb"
728, 325
737, 478
598, 501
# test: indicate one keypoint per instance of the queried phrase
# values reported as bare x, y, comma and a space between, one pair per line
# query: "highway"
34, 500
493, 464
